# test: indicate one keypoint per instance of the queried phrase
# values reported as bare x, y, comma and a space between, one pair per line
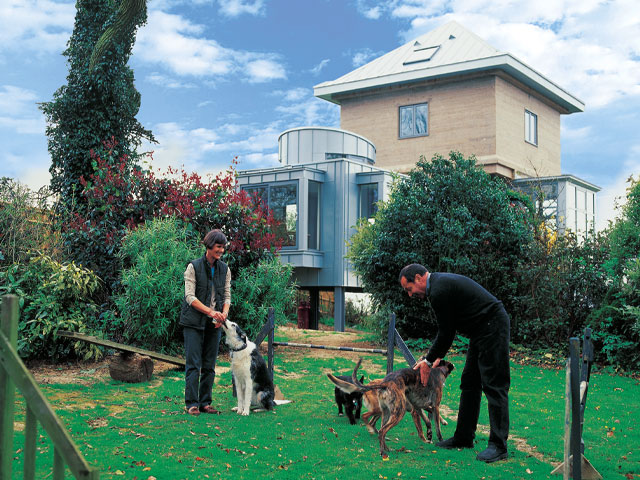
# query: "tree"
450, 216
96, 104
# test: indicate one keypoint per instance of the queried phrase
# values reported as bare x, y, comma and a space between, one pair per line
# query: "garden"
140, 431
102, 251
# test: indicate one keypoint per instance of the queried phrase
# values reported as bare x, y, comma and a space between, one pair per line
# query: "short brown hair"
214, 237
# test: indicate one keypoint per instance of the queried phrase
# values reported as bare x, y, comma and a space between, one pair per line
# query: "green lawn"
140, 431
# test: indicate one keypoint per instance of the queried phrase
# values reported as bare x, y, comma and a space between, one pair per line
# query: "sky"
221, 79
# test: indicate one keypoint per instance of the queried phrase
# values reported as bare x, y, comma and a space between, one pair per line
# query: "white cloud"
167, 82
210, 151
595, 45
235, 8
614, 193
311, 112
264, 70
19, 112
318, 68
294, 94
43, 26
179, 45
364, 56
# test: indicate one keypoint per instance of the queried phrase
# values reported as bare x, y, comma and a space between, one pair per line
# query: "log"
131, 368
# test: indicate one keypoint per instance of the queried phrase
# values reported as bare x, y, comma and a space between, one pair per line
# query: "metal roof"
450, 50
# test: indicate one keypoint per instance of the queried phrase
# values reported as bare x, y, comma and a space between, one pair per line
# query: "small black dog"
352, 402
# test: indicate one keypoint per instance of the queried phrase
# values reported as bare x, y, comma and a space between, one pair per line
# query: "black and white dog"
250, 375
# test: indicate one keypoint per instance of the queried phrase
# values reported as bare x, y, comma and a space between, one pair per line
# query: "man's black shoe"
454, 442
492, 454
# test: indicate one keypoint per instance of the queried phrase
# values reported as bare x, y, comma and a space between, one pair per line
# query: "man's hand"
425, 370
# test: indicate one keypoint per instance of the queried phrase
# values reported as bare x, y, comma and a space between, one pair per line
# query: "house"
446, 90
450, 90
327, 182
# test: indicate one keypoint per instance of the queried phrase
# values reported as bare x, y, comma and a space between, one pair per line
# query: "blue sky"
223, 78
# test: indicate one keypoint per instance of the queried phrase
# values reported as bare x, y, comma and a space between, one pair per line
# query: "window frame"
413, 108
528, 117
268, 187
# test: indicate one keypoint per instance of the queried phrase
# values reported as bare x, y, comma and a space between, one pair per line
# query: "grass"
139, 431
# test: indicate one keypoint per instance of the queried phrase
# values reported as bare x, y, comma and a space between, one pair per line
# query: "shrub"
53, 297
256, 288
157, 254
119, 197
450, 216
24, 222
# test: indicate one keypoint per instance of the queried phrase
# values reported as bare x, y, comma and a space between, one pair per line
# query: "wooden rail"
122, 347
13, 373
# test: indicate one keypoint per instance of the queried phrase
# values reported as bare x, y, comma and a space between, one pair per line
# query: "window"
530, 127
414, 120
313, 232
283, 202
368, 200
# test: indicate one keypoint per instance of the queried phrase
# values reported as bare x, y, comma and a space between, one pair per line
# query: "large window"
414, 120
283, 202
313, 232
530, 127
368, 200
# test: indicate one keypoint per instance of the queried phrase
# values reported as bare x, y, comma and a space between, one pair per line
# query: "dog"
352, 402
254, 385
399, 392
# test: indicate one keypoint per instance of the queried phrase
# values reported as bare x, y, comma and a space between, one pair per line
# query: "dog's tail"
358, 383
265, 398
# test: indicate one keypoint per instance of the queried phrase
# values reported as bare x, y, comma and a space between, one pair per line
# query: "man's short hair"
214, 237
410, 271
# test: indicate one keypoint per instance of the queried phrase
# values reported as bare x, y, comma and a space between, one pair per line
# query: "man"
463, 306
207, 298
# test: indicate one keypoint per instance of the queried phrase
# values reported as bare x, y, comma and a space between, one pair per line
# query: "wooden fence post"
391, 342
9, 327
574, 348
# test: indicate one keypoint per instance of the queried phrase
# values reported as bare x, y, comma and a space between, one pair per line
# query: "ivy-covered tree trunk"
96, 104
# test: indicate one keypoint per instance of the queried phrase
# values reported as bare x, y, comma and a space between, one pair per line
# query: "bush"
119, 197
256, 288
558, 287
53, 297
450, 216
24, 223
157, 254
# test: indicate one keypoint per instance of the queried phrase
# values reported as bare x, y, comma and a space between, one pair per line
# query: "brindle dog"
399, 392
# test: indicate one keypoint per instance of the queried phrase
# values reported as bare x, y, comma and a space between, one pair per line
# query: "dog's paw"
234, 409
245, 413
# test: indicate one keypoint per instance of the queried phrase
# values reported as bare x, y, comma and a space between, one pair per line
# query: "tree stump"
131, 368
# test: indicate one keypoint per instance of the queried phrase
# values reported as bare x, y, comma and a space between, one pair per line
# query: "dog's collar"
239, 349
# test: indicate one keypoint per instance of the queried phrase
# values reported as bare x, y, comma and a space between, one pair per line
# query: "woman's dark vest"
189, 316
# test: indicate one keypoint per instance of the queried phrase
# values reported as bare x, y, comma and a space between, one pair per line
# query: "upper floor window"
530, 127
313, 216
414, 120
283, 202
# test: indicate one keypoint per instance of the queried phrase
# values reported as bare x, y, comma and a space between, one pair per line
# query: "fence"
575, 464
14, 374
393, 340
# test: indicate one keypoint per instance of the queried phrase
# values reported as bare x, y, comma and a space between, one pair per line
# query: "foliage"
558, 286
24, 222
300, 440
52, 297
120, 197
616, 323
93, 105
355, 311
450, 216
156, 255
258, 287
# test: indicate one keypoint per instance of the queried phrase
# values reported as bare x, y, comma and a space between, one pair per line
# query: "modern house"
326, 183
450, 90
446, 90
